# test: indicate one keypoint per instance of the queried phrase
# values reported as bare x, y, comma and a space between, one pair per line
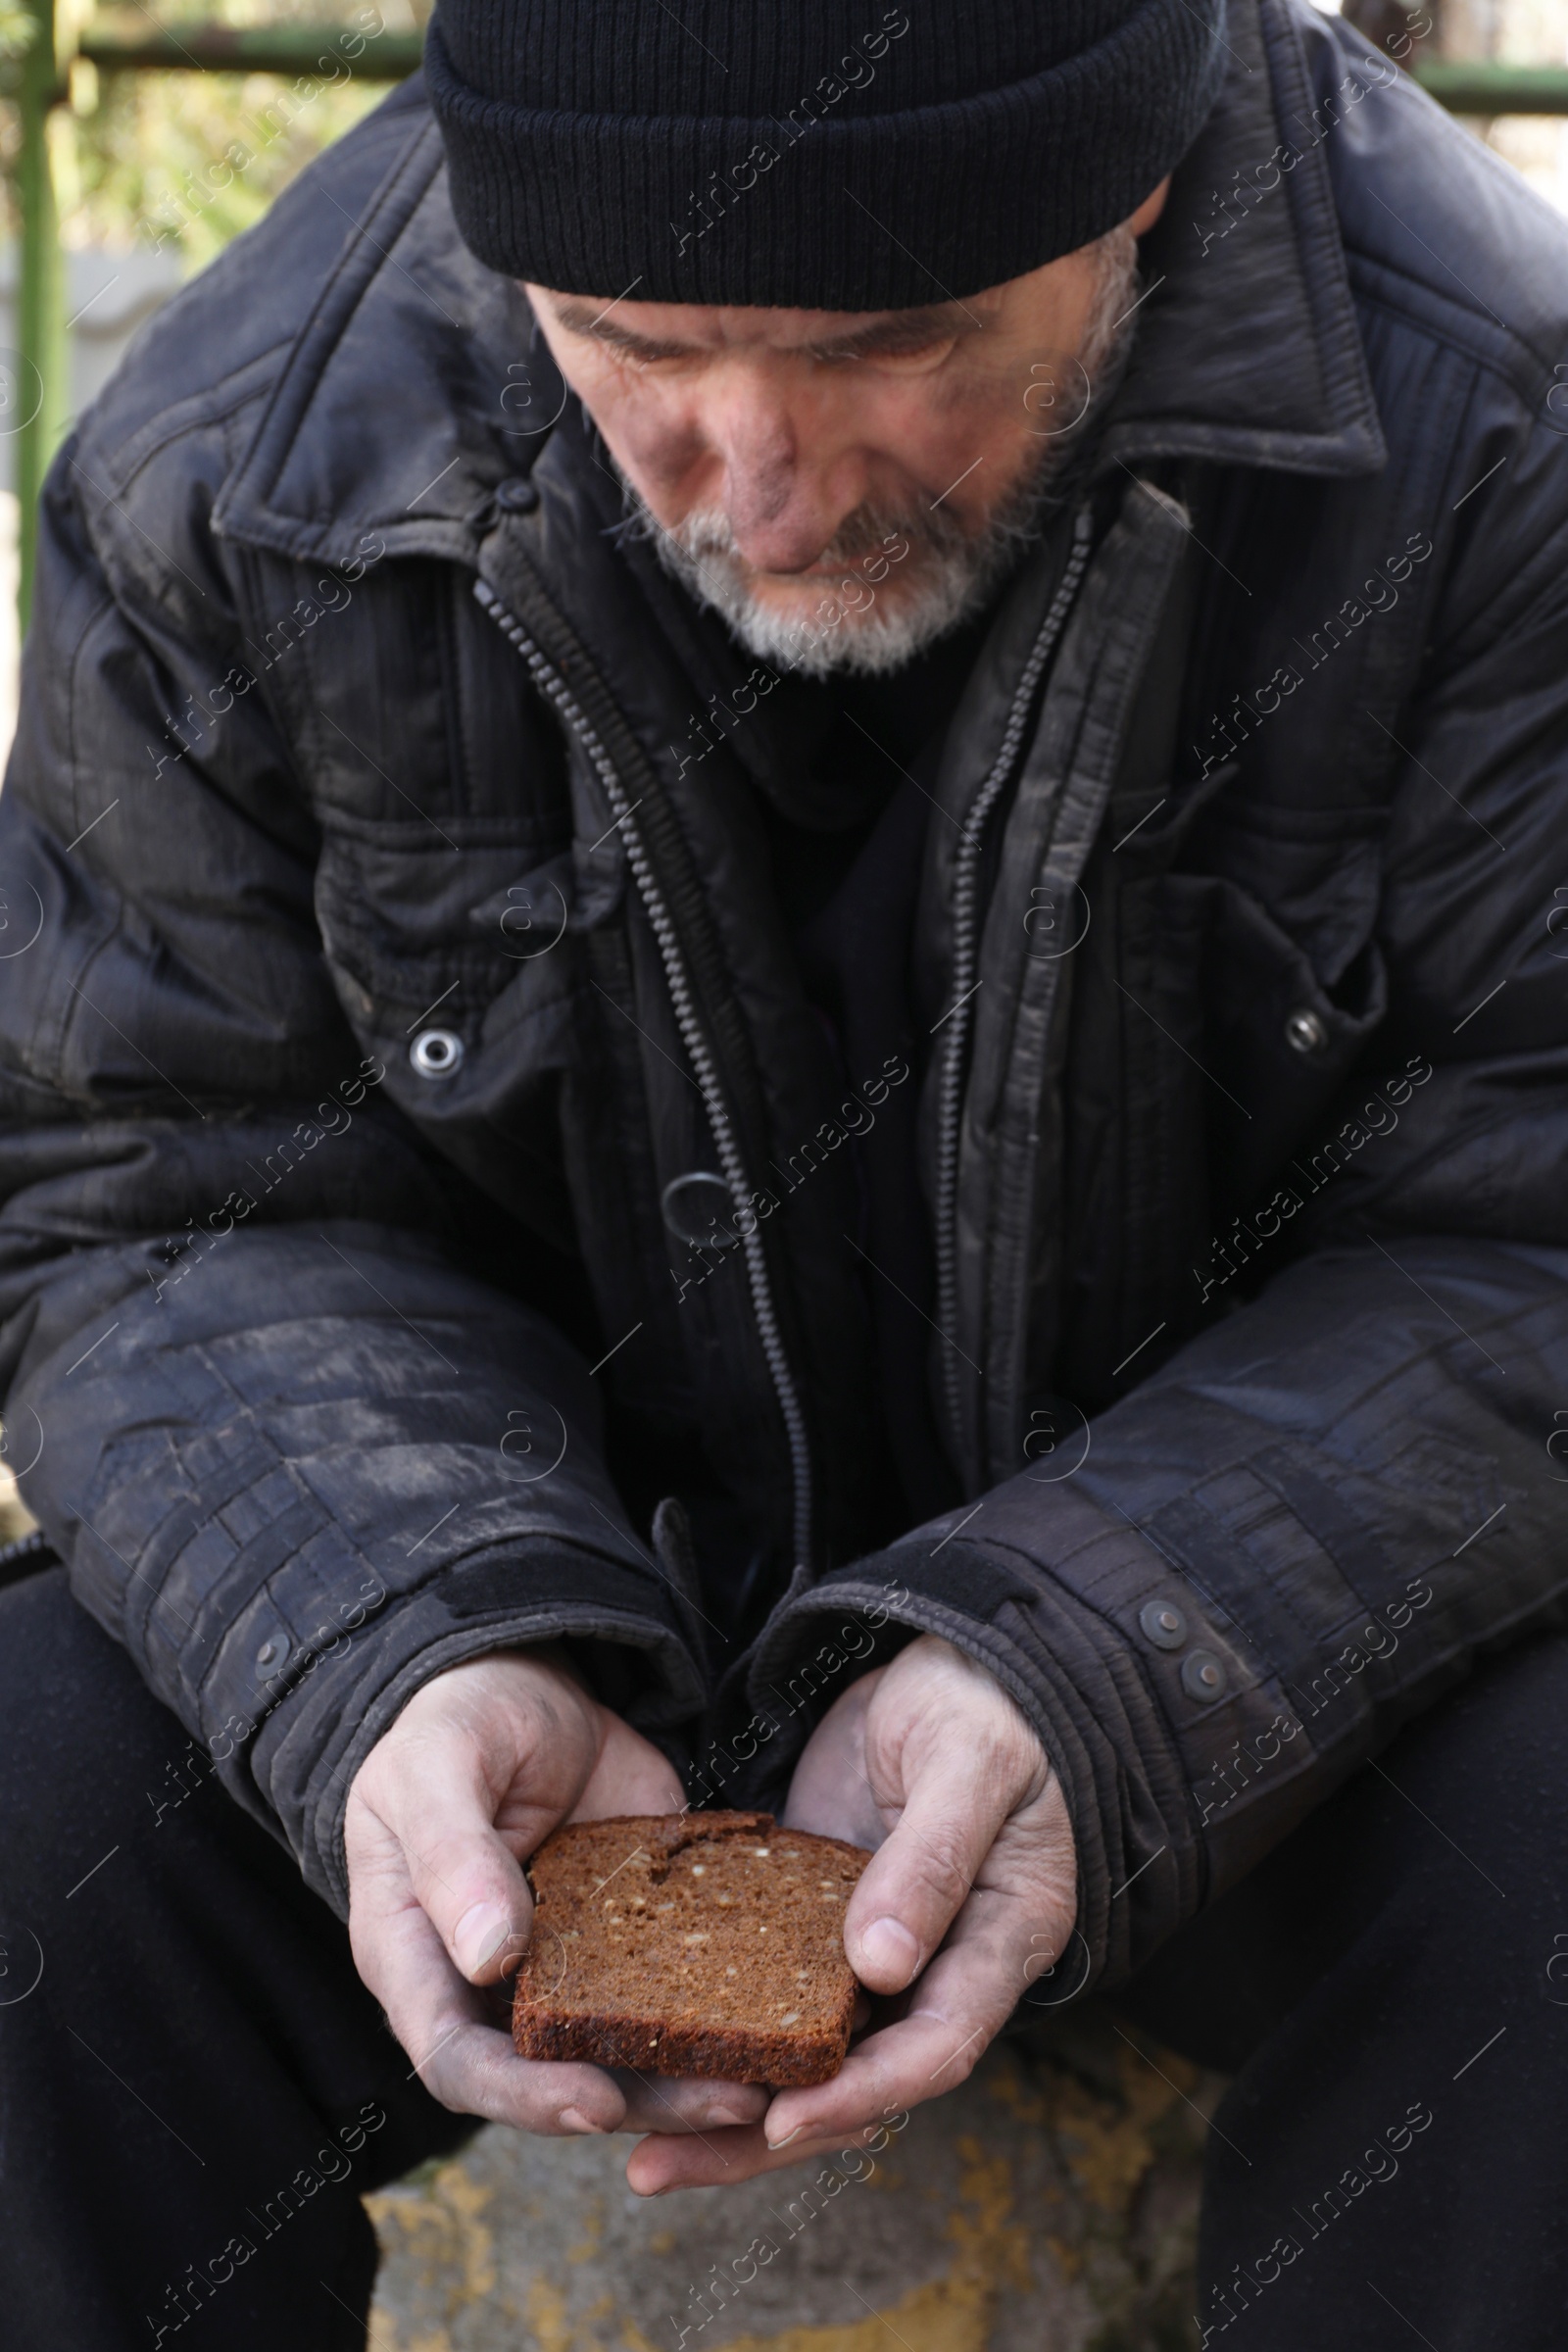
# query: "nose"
785, 499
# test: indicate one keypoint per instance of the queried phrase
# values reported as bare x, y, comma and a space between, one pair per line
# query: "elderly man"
784, 1022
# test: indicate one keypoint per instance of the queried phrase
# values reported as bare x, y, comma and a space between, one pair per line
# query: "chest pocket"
474, 939
1315, 873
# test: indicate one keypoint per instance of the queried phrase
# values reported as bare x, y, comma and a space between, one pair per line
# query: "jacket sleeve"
295, 1455
1236, 1586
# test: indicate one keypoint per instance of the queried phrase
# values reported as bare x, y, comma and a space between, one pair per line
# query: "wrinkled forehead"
665, 329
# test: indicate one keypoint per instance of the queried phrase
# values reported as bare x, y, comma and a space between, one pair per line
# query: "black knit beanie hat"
815, 154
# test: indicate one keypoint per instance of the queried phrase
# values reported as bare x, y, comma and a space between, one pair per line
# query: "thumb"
462, 1873
915, 1884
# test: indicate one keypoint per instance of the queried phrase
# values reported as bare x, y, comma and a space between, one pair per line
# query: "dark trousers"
1390, 2165
195, 2089
189, 2063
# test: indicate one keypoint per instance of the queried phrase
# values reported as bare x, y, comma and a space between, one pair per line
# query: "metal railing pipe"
36, 395
1488, 90
289, 49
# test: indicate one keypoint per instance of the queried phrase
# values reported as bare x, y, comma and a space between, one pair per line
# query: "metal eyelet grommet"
438, 1053
519, 496
1203, 1676
1304, 1031
698, 1210
1163, 1624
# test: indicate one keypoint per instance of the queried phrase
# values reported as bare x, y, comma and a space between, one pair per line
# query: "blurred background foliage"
183, 162
152, 159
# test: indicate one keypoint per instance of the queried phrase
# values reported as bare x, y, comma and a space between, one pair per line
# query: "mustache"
874, 533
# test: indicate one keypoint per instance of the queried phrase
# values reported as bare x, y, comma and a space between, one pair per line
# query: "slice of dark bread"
693, 1943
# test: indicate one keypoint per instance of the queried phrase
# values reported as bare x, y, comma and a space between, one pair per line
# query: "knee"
1475, 1792
83, 1738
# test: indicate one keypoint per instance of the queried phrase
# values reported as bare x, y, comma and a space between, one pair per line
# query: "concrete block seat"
1048, 2205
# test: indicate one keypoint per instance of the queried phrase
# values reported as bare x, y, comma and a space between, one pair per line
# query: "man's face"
844, 486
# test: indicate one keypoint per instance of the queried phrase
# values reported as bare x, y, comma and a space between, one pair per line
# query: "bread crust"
733, 2054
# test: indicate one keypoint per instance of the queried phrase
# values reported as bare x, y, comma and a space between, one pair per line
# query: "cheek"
969, 439
656, 441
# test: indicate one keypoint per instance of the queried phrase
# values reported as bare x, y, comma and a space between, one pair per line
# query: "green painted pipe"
1464, 88
34, 381
34, 389
292, 49
1482, 90
33, 386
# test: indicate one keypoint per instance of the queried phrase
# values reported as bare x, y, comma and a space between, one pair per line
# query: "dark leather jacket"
381, 965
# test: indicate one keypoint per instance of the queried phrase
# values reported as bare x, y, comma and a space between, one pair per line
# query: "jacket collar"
420, 384
1249, 350
412, 391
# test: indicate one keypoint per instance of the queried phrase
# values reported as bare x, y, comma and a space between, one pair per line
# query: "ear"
1148, 212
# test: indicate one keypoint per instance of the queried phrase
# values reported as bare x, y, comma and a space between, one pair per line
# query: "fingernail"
479, 1935
776, 2144
572, 2119
729, 2115
889, 1950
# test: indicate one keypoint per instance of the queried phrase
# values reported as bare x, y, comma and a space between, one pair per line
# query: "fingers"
718, 2160
951, 1757
446, 2027
726, 2159
462, 1874
966, 1995
481, 1762
914, 1885
918, 2057
688, 2103
830, 1792
1012, 1922
466, 2059
468, 2062
964, 2000
474, 2071
978, 1870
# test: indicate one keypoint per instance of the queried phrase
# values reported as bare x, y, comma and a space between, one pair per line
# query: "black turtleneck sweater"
840, 770
845, 805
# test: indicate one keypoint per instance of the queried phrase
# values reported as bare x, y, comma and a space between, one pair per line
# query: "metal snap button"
697, 1210
438, 1053
1164, 1623
271, 1650
1304, 1031
1202, 1675
519, 496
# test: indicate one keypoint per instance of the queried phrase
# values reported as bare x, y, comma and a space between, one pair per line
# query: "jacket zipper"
554, 687
965, 952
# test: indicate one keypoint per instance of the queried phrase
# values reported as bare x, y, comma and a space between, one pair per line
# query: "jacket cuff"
304, 1737
1140, 1698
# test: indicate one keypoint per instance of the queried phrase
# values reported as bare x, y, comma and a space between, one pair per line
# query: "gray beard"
954, 572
